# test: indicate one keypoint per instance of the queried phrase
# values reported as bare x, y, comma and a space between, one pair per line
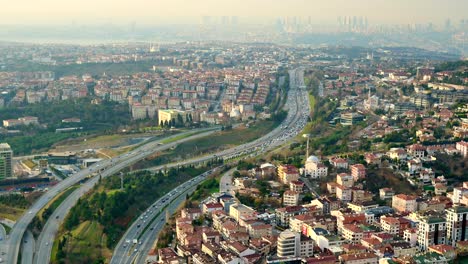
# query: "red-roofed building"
358, 171
288, 173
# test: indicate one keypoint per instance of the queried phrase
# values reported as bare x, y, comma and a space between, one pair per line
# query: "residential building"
444, 250
6, 156
462, 146
339, 163
404, 203
259, 230
288, 244
288, 173
242, 212
457, 224
296, 186
284, 214
397, 154
343, 193
416, 150
291, 244
458, 193
358, 171
386, 193
431, 231
390, 225
345, 180
290, 198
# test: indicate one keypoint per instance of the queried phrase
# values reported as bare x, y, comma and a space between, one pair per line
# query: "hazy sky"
36, 12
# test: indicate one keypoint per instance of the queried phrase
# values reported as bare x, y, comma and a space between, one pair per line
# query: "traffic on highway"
138, 240
298, 111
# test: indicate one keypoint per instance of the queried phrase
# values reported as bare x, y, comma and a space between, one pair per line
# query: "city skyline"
54, 12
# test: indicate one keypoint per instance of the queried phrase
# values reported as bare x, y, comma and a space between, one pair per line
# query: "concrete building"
462, 146
358, 171
343, 193
288, 173
457, 224
349, 119
291, 245
315, 168
345, 180
458, 193
170, 114
404, 203
290, 198
6, 155
431, 231
242, 212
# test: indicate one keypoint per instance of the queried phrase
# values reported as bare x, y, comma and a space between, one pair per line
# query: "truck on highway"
135, 241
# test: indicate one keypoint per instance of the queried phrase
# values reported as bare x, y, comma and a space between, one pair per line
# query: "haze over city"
89, 12
233, 131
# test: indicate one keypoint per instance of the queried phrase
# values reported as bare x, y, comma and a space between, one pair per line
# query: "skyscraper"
6, 154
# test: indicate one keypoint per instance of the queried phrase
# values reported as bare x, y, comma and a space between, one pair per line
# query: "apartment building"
457, 224
431, 231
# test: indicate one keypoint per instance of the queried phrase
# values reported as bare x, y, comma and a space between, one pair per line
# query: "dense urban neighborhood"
234, 153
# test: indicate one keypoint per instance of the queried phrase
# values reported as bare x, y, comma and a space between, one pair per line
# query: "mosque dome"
314, 159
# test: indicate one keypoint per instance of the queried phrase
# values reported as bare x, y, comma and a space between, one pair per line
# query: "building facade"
6, 155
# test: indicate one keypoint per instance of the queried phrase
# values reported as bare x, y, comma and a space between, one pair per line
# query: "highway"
105, 167
27, 248
49, 231
298, 110
152, 221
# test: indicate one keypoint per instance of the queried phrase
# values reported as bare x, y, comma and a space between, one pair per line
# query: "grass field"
179, 137
224, 139
54, 203
97, 142
312, 103
82, 242
11, 213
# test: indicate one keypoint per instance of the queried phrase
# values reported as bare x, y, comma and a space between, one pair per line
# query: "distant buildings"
349, 119
6, 155
25, 121
170, 115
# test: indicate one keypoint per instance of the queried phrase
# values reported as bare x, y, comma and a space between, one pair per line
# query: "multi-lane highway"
47, 236
105, 168
298, 110
151, 222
